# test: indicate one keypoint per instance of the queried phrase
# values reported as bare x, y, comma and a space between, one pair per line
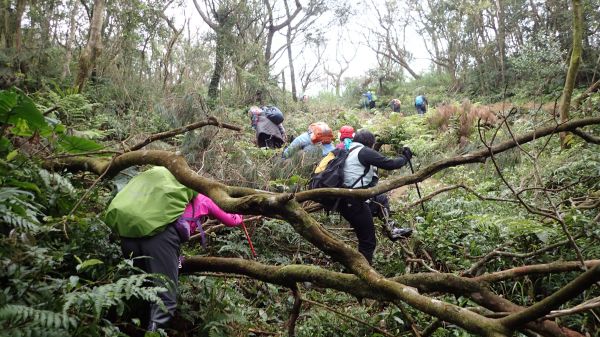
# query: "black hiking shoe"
395, 233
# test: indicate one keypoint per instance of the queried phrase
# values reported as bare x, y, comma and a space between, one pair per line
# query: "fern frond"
22, 315
100, 298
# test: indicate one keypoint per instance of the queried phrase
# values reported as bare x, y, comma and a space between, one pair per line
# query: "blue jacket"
304, 143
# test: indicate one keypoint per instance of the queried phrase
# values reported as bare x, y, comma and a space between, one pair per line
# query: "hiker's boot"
395, 233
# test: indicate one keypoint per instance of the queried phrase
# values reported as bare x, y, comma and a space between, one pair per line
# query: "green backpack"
147, 204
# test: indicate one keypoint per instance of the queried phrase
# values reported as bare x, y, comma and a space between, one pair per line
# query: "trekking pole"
248, 238
417, 186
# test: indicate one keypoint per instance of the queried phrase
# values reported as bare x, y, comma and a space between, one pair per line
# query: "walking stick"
417, 185
248, 238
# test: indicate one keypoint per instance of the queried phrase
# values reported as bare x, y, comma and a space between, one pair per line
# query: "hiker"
345, 136
268, 124
319, 134
373, 101
154, 226
359, 172
421, 104
395, 104
368, 98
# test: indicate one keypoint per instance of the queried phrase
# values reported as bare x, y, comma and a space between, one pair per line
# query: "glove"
407, 153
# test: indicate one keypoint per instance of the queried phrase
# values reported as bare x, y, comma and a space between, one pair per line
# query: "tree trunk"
291, 62
565, 102
18, 17
215, 78
501, 37
69, 46
92, 50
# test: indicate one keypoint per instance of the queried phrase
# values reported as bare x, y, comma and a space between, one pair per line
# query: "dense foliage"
62, 271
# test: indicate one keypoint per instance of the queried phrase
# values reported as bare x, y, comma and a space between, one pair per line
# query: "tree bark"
565, 102
92, 50
69, 45
18, 17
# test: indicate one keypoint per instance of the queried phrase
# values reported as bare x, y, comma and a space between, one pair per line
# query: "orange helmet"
320, 133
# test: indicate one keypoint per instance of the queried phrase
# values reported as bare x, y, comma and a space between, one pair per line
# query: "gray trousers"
162, 251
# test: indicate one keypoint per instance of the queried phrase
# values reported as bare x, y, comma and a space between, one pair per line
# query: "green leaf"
88, 263
12, 155
4, 144
74, 144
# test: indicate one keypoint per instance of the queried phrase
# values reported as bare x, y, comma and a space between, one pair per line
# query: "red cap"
346, 132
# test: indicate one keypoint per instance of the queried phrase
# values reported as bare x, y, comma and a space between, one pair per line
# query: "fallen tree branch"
547, 268
587, 137
288, 275
585, 306
498, 252
183, 129
454, 187
543, 307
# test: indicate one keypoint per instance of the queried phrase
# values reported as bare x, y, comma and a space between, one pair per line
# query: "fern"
23, 318
18, 210
101, 298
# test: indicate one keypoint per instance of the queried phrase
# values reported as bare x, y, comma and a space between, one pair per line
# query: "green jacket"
147, 204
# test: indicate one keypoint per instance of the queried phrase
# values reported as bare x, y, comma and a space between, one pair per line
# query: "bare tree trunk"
565, 102
69, 46
501, 37
291, 62
172, 41
18, 17
92, 50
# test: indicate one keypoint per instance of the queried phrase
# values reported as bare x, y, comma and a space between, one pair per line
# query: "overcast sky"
353, 42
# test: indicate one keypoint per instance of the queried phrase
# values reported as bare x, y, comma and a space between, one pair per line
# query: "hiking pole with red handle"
248, 238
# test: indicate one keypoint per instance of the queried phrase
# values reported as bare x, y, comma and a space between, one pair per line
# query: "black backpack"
333, 176
273, 114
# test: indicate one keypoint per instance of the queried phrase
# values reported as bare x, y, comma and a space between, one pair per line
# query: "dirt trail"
400, 195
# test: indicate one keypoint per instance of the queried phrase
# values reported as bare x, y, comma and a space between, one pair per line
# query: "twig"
498, 252
557, 215
323, 306
262, 332
453, 187
52, 109
295, 313
587, 305
431, 328
87, 192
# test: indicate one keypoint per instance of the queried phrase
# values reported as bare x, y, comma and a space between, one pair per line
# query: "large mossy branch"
473, 288
478, 156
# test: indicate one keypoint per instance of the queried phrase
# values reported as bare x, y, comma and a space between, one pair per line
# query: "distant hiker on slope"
268, 124
421, 104
395, 105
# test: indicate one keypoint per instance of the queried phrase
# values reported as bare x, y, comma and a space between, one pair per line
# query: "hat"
346, 131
